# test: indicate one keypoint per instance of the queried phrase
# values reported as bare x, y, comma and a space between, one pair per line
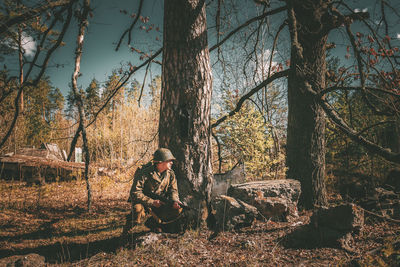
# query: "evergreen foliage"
248, 138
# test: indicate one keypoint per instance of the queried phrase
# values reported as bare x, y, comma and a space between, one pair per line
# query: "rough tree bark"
306, 120
184, 125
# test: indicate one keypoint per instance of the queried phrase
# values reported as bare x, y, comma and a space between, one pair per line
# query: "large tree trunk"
186, 98
306, 121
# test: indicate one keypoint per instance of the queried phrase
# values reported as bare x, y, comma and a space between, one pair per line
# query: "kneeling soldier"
153, 181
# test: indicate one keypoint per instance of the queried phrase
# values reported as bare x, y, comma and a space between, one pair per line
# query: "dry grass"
51, 220
42, 215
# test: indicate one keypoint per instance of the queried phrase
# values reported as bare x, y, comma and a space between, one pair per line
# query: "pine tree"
92, 96
186, 98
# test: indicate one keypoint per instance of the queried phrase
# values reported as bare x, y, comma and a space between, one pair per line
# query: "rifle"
169, 202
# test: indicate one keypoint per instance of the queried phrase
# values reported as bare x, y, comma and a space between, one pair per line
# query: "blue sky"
105, 29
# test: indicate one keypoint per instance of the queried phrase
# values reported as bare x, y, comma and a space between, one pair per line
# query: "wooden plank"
37, 169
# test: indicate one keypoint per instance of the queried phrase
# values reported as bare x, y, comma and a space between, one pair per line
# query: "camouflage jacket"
148, 179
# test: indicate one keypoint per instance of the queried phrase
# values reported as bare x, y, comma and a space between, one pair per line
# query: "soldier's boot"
133, 218
127, 227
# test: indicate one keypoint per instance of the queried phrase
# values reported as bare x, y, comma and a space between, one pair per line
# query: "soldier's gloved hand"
157, 203
176, 206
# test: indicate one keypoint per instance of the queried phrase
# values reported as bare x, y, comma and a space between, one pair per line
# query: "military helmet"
163, 154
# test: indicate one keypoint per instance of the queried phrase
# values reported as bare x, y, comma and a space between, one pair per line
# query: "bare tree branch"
56, 45
374, 125
285, 23
31, 13
357, 137
218, 23
57, 17
129, 31
218, 151
250, 21
383, 3
270, 79
144, 81
335, 88
351, 133
254, 50
361, 71
39, 76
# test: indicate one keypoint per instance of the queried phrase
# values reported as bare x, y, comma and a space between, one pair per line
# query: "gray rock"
271, 197
231, 213
272, 206
284, 188
147, 239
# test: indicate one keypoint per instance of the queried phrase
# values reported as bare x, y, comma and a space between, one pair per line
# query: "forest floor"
51, 220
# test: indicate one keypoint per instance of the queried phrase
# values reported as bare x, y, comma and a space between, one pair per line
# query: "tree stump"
329, 227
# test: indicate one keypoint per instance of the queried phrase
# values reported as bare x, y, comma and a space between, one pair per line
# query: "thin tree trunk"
184, 125
21, 68
21, 81
78, 96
